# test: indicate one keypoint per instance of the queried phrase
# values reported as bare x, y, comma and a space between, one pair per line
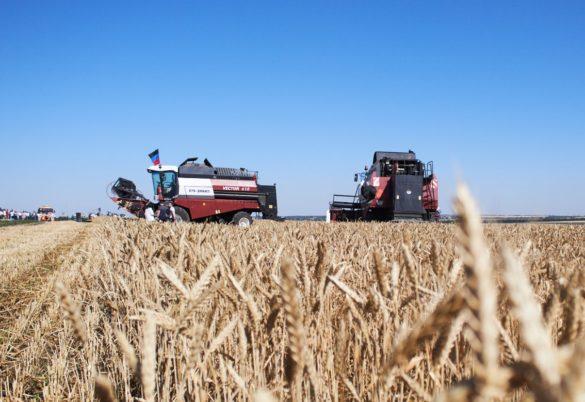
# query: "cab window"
167, 181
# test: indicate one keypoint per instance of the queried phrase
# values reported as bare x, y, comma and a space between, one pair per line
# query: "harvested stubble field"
300, 311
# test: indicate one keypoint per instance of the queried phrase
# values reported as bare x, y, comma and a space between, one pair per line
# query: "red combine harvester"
396, 186
202, 192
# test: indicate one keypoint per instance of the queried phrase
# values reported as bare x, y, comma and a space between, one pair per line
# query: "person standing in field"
149, 213
166, 212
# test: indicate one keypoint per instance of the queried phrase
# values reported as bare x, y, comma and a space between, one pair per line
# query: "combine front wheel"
242, 219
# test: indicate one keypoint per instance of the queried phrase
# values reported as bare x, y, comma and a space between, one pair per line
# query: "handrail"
192, 159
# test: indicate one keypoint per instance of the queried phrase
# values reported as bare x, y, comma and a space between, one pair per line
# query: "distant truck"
46, 214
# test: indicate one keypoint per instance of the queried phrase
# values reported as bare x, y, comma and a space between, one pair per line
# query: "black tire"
181, 215
242, 219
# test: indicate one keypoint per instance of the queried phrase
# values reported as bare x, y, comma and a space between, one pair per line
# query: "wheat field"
126, 310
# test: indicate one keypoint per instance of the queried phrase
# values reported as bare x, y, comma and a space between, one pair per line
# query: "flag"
154, 157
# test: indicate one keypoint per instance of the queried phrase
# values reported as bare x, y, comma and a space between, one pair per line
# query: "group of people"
15, 215
163, 212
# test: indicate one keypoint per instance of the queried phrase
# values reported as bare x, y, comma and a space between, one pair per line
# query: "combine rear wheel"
242, 219
181, 215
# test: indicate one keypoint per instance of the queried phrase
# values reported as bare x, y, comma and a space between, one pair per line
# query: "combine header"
202, 192
396, 186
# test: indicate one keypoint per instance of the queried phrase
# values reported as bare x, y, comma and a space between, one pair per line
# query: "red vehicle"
396, 186
202, 192
46, 214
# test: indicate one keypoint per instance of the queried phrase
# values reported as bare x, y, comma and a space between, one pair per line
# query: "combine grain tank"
396, 186
202, 192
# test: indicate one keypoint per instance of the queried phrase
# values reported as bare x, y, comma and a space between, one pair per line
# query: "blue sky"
304, 92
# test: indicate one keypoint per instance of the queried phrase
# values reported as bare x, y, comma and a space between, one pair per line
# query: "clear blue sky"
304, 92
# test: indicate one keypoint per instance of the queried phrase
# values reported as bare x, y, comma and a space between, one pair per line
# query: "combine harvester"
45, 214
201, 192
396, 186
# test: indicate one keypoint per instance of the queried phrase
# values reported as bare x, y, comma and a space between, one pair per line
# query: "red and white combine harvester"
202, 192
396, 186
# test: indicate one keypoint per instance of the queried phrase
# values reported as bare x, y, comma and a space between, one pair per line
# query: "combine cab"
396, 186
202, 192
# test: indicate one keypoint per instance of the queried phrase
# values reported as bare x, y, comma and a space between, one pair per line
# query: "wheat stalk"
128, 351
436, 320
103, 390
381, 274
481, 294
148, 363
72, 313
527, 310
294, 320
